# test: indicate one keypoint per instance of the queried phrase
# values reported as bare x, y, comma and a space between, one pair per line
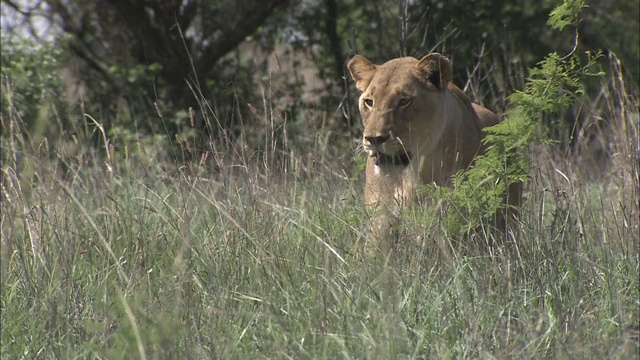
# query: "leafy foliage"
565, 14
551, 86
30, 83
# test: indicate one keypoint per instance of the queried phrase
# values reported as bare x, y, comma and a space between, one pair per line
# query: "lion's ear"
436, 69
362, 71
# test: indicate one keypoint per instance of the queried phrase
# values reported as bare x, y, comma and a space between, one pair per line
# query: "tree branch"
249, 18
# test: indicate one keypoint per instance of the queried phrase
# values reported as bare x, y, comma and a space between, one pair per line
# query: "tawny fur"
410, 107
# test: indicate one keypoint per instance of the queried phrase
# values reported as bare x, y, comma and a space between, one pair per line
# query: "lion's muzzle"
377, 140
401, 159
385, 151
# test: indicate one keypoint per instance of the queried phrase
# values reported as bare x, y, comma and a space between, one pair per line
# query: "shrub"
550, 87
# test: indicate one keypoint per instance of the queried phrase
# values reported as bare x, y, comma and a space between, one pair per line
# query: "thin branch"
246, 25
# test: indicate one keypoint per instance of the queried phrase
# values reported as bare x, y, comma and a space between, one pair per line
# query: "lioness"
419, 128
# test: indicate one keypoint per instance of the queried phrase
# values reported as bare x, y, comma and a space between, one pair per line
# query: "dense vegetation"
229, 224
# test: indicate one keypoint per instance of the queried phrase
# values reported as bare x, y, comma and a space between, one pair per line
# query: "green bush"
32, 88
550, 87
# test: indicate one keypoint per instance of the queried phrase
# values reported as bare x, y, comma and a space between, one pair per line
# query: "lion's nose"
377, 139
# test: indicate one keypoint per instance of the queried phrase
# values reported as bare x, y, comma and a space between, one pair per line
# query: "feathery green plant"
550, 87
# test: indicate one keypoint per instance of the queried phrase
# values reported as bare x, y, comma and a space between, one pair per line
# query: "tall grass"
111, 253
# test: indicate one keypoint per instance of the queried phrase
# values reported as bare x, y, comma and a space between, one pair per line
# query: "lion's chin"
401, 159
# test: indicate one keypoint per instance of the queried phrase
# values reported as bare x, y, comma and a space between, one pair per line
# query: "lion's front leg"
387, 191
384, 220
381, 232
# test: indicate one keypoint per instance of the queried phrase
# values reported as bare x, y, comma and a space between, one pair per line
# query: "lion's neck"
393, 185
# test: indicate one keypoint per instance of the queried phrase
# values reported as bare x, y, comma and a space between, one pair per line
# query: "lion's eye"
368, 103
404, 102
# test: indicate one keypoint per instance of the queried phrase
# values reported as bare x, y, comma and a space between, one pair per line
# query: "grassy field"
124, 254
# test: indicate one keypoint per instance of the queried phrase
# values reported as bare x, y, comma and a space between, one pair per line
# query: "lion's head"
406, 106
419, 128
